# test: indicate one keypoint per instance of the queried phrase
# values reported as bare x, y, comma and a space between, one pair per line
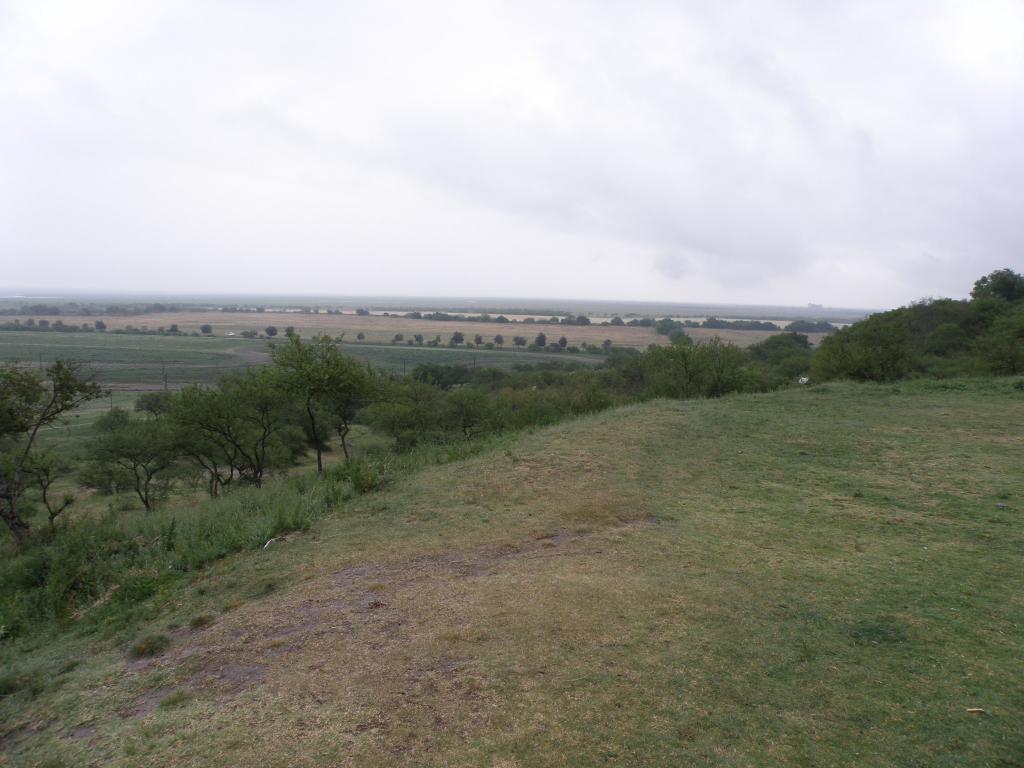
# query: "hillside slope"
825, 576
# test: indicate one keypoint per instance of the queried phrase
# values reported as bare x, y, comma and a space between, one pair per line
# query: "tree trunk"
18, 527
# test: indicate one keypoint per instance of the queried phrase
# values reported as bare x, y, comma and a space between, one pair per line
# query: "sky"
858, 154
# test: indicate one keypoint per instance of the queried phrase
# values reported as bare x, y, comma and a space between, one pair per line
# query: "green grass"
822, 576
126, 361
129, 362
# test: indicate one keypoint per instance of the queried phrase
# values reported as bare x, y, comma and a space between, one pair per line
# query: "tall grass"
102, 571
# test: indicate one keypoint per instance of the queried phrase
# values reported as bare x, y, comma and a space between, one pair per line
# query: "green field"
821, 576
137, 362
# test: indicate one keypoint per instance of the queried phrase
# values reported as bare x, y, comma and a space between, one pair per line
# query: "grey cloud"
852, 153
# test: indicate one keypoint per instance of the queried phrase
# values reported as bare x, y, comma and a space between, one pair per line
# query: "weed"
149, 645
176, 699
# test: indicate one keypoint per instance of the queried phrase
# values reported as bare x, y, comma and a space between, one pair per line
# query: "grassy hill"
822, 576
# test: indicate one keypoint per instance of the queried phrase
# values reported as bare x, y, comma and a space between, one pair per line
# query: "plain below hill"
821, 576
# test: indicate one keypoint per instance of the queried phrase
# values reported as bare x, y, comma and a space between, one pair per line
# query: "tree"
1002, 284
397, 338
563, 342
133, 453
360, 336
99, 325
418, 338
518, 341
289, 331
271, 331
458, 337
499, 340
606, 345
329, 386
541, 340
243, 427
206, 329
617, 321
478, 339
30, 402
45, 468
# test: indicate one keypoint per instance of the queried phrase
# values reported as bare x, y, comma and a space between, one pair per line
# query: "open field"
382, 329
135, 362
822, 576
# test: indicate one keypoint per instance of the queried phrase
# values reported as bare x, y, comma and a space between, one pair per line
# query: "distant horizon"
510, 300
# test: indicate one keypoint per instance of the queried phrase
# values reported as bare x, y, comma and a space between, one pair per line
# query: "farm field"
127, 362
820, 576
377, 328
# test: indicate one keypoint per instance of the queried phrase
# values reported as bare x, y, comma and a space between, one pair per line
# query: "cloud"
849, 153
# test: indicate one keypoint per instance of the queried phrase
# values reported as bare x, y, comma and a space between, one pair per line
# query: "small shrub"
200, 621
12, 683
176, 699
882, 631
149, 645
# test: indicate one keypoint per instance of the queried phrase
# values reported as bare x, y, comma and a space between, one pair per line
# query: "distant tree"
290, 331
152, 403
478, 339
206, 329
360, 336
397, 338
617, 321
29, 402
518, 341
563, 342
499, 340
541, 340
458, 337
99, 325
606, 345
1001, 284
418, 338
271, 331
362, 311
582, 320
174, 328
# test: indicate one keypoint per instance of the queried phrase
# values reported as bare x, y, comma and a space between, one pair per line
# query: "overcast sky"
848, 153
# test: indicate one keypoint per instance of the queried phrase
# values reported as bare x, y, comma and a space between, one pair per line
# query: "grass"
126, 362
823, 576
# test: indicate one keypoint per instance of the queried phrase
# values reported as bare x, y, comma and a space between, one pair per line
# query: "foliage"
30, 402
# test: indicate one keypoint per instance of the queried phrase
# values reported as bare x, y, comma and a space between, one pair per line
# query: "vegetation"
940, 337
762, 579
725, 505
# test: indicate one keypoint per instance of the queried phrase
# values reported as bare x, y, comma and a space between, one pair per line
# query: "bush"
149, 645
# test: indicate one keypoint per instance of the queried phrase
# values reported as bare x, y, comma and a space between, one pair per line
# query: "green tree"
499, 340
458, 337
30, 402
329, 386
541, 340
563, 342
249, 420
46, 468
271, 331
134, 453
1001, 284
206, 329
